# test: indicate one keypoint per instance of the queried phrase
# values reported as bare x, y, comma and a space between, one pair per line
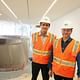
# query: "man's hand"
50, 73
78, 78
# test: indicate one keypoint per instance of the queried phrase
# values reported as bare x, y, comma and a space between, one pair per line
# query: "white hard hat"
45, 20
67, 25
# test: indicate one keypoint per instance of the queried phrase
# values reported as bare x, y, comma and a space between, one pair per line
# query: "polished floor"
20, 75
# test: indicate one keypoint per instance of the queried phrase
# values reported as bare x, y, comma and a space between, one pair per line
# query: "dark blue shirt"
64, 45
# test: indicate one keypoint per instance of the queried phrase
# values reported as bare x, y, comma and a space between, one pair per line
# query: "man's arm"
50, 60
50, 63
78, 65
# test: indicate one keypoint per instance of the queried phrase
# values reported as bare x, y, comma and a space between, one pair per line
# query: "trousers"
57, 77
36, 68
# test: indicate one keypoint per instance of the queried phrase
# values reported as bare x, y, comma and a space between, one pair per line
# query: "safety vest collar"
74, 49
48, 34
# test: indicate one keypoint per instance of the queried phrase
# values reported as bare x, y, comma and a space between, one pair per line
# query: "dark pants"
35, 71
57, 77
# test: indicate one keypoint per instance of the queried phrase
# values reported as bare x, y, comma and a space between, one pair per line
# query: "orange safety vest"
64, 62
41, 52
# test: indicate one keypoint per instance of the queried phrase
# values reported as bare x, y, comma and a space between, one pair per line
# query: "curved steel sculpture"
13, 53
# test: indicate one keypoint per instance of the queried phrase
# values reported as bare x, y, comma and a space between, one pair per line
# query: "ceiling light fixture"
9, 9
0, 14
50, 7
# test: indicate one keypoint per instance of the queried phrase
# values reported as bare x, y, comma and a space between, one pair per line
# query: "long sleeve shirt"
64, 45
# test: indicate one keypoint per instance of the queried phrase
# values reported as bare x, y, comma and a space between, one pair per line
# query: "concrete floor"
20, 75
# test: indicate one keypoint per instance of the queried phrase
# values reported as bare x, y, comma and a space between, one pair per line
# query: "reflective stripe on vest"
39, 52
64, 62
35, 36
75, 46
56, 43
52, 37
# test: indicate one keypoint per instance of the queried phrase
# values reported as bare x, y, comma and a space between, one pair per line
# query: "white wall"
74, 17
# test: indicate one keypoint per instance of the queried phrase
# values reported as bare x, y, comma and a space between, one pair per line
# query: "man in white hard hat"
42, 45
65, 55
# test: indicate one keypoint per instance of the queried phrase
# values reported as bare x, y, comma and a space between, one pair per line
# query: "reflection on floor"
20, 75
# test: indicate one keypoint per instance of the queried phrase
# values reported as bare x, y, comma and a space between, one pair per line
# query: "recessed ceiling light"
50, 7
0, 14
9, 9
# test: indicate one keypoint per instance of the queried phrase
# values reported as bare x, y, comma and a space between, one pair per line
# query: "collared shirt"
64, 45
43, 37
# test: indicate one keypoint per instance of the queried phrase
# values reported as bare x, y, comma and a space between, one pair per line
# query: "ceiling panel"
19, 7
4, 12
37, 8
63, 7
31, 11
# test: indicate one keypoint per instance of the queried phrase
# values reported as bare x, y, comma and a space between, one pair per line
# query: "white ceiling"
31, 11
